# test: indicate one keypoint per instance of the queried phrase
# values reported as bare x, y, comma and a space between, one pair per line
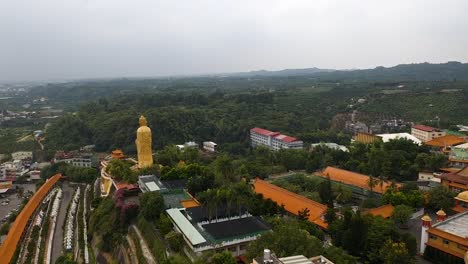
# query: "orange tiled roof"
366, 138
189, 203
444, 141
385, 211
7, 249
352, 178
292, 202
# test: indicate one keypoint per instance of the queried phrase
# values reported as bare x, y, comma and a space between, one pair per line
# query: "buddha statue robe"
143, 144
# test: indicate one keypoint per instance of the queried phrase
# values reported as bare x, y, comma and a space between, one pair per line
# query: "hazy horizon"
82, 39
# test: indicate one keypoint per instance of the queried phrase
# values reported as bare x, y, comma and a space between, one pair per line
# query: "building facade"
210, 146
273, 140
426, 133
11, 170
446, 240
456, 181
75, 158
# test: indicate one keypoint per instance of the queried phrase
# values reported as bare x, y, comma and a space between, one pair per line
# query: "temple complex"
145, 159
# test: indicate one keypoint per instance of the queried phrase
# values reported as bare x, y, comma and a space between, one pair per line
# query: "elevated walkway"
8, 248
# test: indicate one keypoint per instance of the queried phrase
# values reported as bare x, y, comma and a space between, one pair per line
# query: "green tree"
286, 240
326, 193
395, 252
402, 214
120, 170
151, 205
303, 214
441, 197
224, 257
66, 259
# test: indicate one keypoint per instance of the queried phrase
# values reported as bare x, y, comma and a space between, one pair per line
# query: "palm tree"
228, 196
372, 183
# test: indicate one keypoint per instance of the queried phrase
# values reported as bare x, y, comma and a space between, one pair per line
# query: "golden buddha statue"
143, 144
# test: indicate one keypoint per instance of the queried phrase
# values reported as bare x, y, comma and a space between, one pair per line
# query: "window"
446, 242
433, 237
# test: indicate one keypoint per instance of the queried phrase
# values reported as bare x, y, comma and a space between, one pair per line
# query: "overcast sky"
62, 39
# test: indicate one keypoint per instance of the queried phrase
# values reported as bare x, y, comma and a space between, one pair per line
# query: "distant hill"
286, 72
402, 72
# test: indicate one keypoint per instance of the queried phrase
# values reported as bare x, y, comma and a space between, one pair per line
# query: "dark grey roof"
201, 213
236, 227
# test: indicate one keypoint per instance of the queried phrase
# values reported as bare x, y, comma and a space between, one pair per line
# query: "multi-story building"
426, 133
76, 158
273, 140
11, 170
22, 155
445, 241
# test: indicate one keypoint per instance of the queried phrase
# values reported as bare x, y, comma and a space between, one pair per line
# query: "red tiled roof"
292, 202
285, 138
276, 135
425, 128
264, 132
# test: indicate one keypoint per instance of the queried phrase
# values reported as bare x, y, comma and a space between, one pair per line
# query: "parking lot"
14, 200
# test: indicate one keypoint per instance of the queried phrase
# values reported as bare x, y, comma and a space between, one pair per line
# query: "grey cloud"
56, 39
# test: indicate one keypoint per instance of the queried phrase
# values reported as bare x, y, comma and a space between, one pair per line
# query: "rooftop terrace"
457, 225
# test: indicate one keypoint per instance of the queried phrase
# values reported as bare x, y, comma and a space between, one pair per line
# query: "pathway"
144, 247
133, 250
57, 243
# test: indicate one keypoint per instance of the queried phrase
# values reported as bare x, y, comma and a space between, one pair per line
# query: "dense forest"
303, 103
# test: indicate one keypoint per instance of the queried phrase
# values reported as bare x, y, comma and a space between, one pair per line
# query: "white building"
270, 258
12, 170
330, 146
35, 175
75, 158
21, 155
210, 146
273, 140
388, 137
426, 133
186, 145
149, 183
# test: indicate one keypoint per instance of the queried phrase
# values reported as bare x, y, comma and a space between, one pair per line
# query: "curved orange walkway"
8, 247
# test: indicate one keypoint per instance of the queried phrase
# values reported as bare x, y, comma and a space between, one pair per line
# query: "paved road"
57, 244
414, 228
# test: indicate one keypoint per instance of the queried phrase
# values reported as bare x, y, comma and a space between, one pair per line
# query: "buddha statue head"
143, 121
